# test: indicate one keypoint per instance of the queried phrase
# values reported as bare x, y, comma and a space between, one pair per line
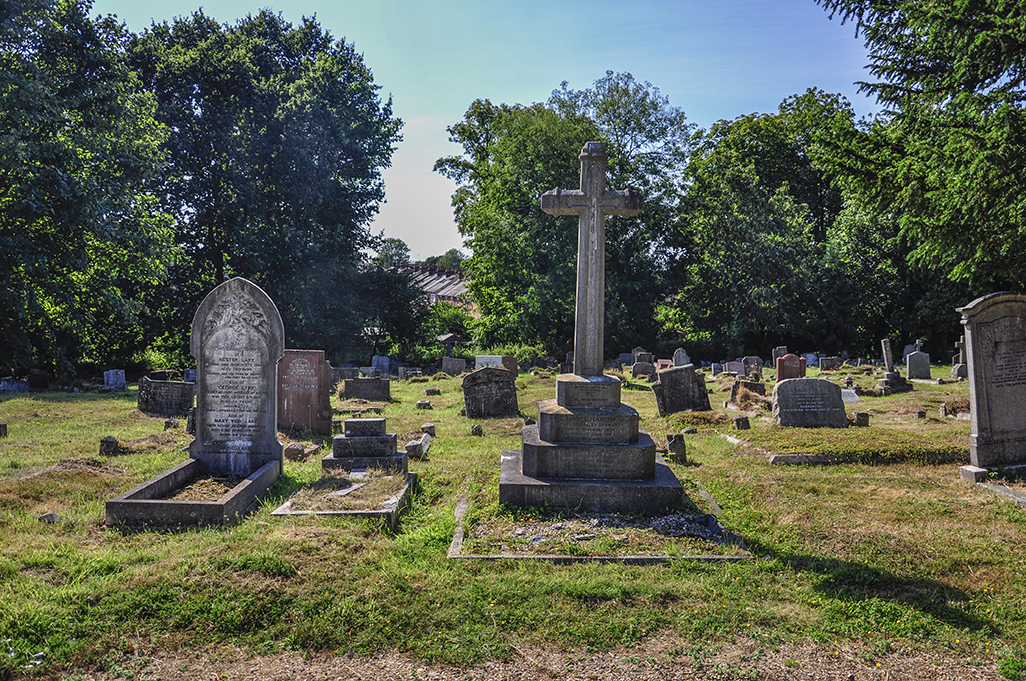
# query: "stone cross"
591, 203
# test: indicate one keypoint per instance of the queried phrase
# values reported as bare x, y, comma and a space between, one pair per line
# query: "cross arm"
564, 202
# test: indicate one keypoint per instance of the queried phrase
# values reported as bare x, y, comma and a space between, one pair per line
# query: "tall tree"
278, 138
81, 241
947, 158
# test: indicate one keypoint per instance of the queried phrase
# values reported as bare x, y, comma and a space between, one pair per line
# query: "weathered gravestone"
646, 369
454, 366
680, 389
365, 444
490, 391
237, 338
918, 364
481, 361
753, 365
829, 363
790, 366
165, 398
995, 337
751, 386
626, 358
304, 391
959, 363
779, 352
808, 403
888, 357
586, 452
644, 358
373, 389
114, 379
735, 368
339, 374
680, 358
511, 364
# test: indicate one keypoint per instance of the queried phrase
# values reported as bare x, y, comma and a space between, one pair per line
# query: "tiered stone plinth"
893, 382
587, 454
365, 444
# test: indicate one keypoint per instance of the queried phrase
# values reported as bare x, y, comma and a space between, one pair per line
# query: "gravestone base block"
144, 506
587, 424
661, 494
565, 460
398, 462
996, 451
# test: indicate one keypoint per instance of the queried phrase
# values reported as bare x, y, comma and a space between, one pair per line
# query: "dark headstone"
829, 363
382, 364
676, 448
165, 398
304, 391
490, 391
114, 379
680, 389
373, 389
741, 423
339, 374
808, 403
862, 419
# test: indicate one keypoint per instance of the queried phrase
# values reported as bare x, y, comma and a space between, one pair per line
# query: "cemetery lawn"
887, 560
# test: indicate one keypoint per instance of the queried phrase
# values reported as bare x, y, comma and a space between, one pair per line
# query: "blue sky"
715, 59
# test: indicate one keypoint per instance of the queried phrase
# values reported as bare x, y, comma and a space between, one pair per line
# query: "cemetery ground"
886, 565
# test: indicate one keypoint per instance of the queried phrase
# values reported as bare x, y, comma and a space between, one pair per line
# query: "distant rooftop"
441, 284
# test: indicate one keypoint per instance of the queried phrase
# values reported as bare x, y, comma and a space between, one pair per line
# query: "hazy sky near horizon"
714, 59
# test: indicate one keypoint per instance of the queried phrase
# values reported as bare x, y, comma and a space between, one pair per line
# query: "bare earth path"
651, 660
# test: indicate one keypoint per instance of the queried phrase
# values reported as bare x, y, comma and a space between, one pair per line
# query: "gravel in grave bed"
205, 488
594, 534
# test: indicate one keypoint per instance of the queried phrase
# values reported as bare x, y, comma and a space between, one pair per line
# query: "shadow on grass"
849, 581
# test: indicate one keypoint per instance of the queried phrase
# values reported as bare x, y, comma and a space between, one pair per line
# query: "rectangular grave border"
455, 551
140, 506
390, 511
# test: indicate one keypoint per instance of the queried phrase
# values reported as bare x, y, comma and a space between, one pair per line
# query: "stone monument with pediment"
586, 452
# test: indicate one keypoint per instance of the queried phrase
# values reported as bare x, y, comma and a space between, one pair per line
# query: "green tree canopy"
81, 239
947, 157
278, 138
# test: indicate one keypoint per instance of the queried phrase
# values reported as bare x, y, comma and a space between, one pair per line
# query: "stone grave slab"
490, 391
304, 391
918, 365
680, 389
372, 389
165, 398
808, 403
454, 366
995, 337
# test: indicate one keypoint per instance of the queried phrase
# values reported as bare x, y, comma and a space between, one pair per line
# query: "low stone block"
973, 473
428, 428
373, 389
587, 391
344, 446
741, 423
614, 461
364, 427
587, 424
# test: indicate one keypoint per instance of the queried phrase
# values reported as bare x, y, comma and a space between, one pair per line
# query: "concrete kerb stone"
389, 511
455, 551
979, 476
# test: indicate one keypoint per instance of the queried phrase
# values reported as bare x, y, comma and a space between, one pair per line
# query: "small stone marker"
3, 430
741, 423
50, 518
428, 428
114, 379
372, 389
680, 389
430, 392
490, 391
304, 393
943, 409
921, 414
973, 473
165, 398
680, 358
419, 448
109, 446
454, 366
476, 430
676, 448
423, 404
995, 336
918, 365
808, 403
